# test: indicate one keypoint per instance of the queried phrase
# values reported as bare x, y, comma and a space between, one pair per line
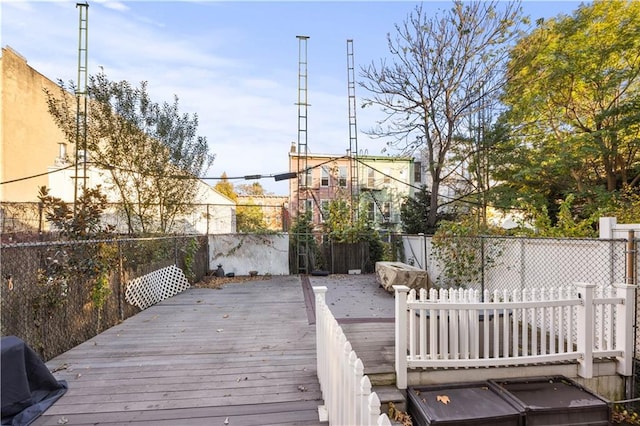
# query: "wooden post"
585, 329
401, 292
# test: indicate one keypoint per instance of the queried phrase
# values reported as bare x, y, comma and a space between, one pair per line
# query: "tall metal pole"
353, 130
81, 100
302, 257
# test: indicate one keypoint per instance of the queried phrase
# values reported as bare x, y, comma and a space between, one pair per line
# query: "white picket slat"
346, 390
535, 326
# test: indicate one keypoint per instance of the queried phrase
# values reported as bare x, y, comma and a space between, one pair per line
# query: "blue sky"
234, 63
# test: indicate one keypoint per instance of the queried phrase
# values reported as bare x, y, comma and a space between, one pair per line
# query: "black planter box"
554, 400
468, 404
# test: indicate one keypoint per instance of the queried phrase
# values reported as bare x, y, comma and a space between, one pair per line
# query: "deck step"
388, 394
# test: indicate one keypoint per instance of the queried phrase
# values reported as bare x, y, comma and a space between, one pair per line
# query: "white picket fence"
453, 328
345, 389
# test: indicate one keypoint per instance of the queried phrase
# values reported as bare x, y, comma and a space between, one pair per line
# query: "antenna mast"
81, 100
353, 130
303, 174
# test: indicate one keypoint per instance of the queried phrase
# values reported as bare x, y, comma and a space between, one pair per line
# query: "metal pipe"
631, 258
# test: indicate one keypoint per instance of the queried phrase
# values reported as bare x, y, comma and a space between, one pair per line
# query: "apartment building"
376, 184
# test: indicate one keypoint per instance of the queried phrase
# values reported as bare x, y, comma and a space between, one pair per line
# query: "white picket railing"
345, 389
453, 328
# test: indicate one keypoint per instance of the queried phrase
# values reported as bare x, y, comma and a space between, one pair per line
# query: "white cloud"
114, 5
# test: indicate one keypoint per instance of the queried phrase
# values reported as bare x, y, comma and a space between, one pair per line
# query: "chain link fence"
512, 263
52, 300
25, 221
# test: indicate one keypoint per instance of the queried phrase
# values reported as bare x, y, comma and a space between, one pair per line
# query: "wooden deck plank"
374, 343
246, 352
143, 386
233, 412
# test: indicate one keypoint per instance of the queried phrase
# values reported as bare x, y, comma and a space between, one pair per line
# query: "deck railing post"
624, 327
401, 292
585, 329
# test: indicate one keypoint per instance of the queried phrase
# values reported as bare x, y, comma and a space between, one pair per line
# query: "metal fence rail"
48, 303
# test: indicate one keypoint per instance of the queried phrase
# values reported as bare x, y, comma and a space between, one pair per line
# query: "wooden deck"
366, 313
245, 353
374, 342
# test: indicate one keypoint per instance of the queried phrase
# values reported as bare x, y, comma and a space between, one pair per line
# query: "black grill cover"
28, 387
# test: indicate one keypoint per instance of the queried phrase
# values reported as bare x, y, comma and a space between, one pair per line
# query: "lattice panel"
152, 288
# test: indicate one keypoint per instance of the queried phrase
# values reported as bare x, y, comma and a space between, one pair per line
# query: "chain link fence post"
630, 277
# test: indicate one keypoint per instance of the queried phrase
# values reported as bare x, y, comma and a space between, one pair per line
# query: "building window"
371, 178
307, 206
324, 210
371, 211
387, 176
306, 179
342, 176
386, 211
417, 171
324, 179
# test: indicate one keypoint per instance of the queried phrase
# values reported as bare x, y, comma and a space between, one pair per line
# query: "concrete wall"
29, 136
241, 253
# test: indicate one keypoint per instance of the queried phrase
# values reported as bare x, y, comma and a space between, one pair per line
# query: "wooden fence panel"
342, 257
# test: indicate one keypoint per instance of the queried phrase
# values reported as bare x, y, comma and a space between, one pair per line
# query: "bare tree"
442, 71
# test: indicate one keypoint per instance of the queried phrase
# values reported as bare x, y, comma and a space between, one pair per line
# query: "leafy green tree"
92, 262
337, 223
461, 250
574, 108
414, 213
301, 236
250, 189
565, 224
226, 188
341, 228
151, 151
625, 205
444, 69
250, 218
85, 224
